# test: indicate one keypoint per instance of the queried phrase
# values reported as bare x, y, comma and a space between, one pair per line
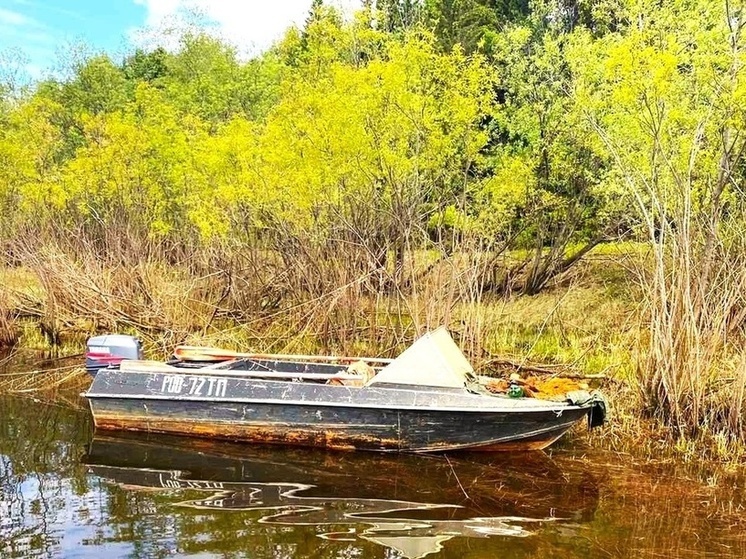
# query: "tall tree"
666, 99
146, 66
398, 15
372, 149
473, 24
203, 78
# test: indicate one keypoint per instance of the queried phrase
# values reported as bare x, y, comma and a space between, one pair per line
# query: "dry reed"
68, 377
285, 292
8, 330
696, 311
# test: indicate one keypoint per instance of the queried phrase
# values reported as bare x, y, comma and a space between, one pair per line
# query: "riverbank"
588, 324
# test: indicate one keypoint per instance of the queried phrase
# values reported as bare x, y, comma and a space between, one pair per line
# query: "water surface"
67, 493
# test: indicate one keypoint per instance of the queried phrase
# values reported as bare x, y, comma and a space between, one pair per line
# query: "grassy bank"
589, 323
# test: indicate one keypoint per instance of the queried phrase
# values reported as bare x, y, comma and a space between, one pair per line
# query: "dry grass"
46, 381
692, 369
8, 330
258, 298
589, 321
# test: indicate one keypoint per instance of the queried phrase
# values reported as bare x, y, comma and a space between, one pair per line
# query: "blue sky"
36, 35
42, 29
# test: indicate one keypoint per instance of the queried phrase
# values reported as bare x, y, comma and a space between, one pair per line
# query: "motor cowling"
110, 349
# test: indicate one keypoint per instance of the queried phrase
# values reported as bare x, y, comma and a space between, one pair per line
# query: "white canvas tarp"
432, 360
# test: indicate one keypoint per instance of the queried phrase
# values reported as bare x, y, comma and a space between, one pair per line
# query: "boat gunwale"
549, 406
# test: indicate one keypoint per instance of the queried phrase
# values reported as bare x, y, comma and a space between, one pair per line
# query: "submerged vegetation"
556, 181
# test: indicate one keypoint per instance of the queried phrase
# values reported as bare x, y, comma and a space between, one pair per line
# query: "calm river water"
67, 493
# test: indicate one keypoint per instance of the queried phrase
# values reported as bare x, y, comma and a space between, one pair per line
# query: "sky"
36, 36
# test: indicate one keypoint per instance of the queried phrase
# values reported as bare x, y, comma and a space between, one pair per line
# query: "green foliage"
379, 132
28, 144
134, 168
398, 15
146, 66
368, 132
387, 136
204, 79
598, 17
473, 24
666, 99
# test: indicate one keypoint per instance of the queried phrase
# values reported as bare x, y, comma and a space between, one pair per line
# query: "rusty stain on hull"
266, 433
315, 437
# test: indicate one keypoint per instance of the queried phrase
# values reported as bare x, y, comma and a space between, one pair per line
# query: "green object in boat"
515, 391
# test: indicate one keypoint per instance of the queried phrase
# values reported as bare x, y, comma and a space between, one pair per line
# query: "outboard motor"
110, 349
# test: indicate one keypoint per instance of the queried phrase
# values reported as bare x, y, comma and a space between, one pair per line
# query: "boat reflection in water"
411, 503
